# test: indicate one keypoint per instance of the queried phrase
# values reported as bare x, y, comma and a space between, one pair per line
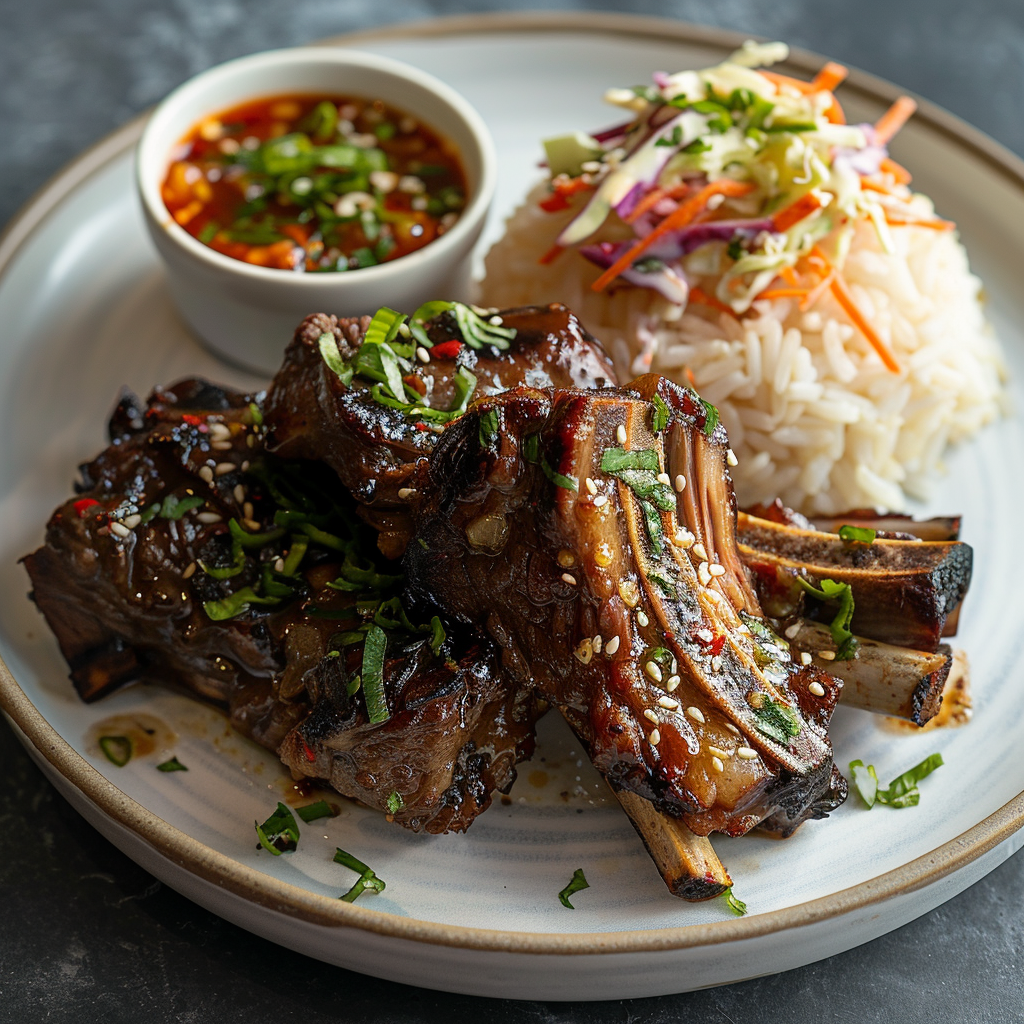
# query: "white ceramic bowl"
247, 313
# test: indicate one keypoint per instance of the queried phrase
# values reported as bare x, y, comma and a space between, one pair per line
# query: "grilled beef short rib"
619, 594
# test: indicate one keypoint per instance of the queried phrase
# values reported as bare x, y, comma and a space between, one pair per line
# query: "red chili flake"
310, 756
83, 505
447, 349
554, 203
192, 419
420, 426
717, 644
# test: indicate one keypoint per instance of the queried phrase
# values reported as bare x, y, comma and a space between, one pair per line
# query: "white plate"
83, 309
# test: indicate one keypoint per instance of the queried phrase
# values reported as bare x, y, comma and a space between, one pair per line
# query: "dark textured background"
88, 936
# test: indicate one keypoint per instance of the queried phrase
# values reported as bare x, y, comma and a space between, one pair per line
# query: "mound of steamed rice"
812, 414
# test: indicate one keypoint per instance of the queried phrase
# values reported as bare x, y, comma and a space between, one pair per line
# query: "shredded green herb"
488, 428
394, 802
373, 674
777, 721
367, 878
858, 534
845, 641
175, 508
116, 749
279, 833
660, 416
173, 765
736, 905
901, 792
576, 883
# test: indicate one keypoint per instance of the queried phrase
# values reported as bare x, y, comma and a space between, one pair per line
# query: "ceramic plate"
84, 310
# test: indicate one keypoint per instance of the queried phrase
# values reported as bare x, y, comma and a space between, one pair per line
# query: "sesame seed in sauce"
653, 670
603, 555
598, 642
730, 457
715, 569
585, 651
641, 617
422, 354
189, 569
629, 592
669, 703
696, 714
716, 663
569, 578
206, 473
208, 518
600, 501
651, 716
132, 521
620, 434
706, 635
590, 485
700, 551
746, 753
673, 682
219, 432
566, 559
817, 689
684, 539
251, 525
805, 658
612, 646
791, 631
279, 565
403, 327
406, 492
221, 446
719, 752
680, 482
239, 493
120, 530
703, 574
717, 764
827, 655
732, 728
223, 468
655, 737
495, 321
664, 478
247, 510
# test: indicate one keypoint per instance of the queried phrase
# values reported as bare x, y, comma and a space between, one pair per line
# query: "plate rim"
266, 891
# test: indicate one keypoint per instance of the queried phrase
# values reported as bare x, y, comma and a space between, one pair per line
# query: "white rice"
812, 414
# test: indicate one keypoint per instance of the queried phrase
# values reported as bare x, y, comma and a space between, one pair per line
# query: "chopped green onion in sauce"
901, 792
116, 749
736, 905
315, 811
858, 534
171, 765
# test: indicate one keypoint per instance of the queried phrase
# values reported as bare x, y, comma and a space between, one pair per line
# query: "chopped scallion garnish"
845, 641
116, 749
172, 765
279, 833
576, 883
858, 534
737, 906
902, 791
373, 674
367, 878
315, 811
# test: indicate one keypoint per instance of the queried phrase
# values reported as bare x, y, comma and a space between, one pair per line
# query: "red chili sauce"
312, 184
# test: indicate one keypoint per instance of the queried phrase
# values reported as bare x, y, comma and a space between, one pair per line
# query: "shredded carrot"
841, 290
817, 291
702, 298
788, 274
653, 198
831, 75
873, 184
690, 377
894, 119
679, 218
782, 293
796, 83
785, 218
559, 198
901, 175
919, 222
552, 254
833, 112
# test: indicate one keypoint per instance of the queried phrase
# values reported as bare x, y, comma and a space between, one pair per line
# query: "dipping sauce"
314, 184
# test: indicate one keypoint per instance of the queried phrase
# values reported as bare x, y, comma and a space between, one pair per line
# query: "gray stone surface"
88, 936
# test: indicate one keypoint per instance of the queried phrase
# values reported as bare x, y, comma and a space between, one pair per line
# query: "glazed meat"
600, 525
375, 448
191, 558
